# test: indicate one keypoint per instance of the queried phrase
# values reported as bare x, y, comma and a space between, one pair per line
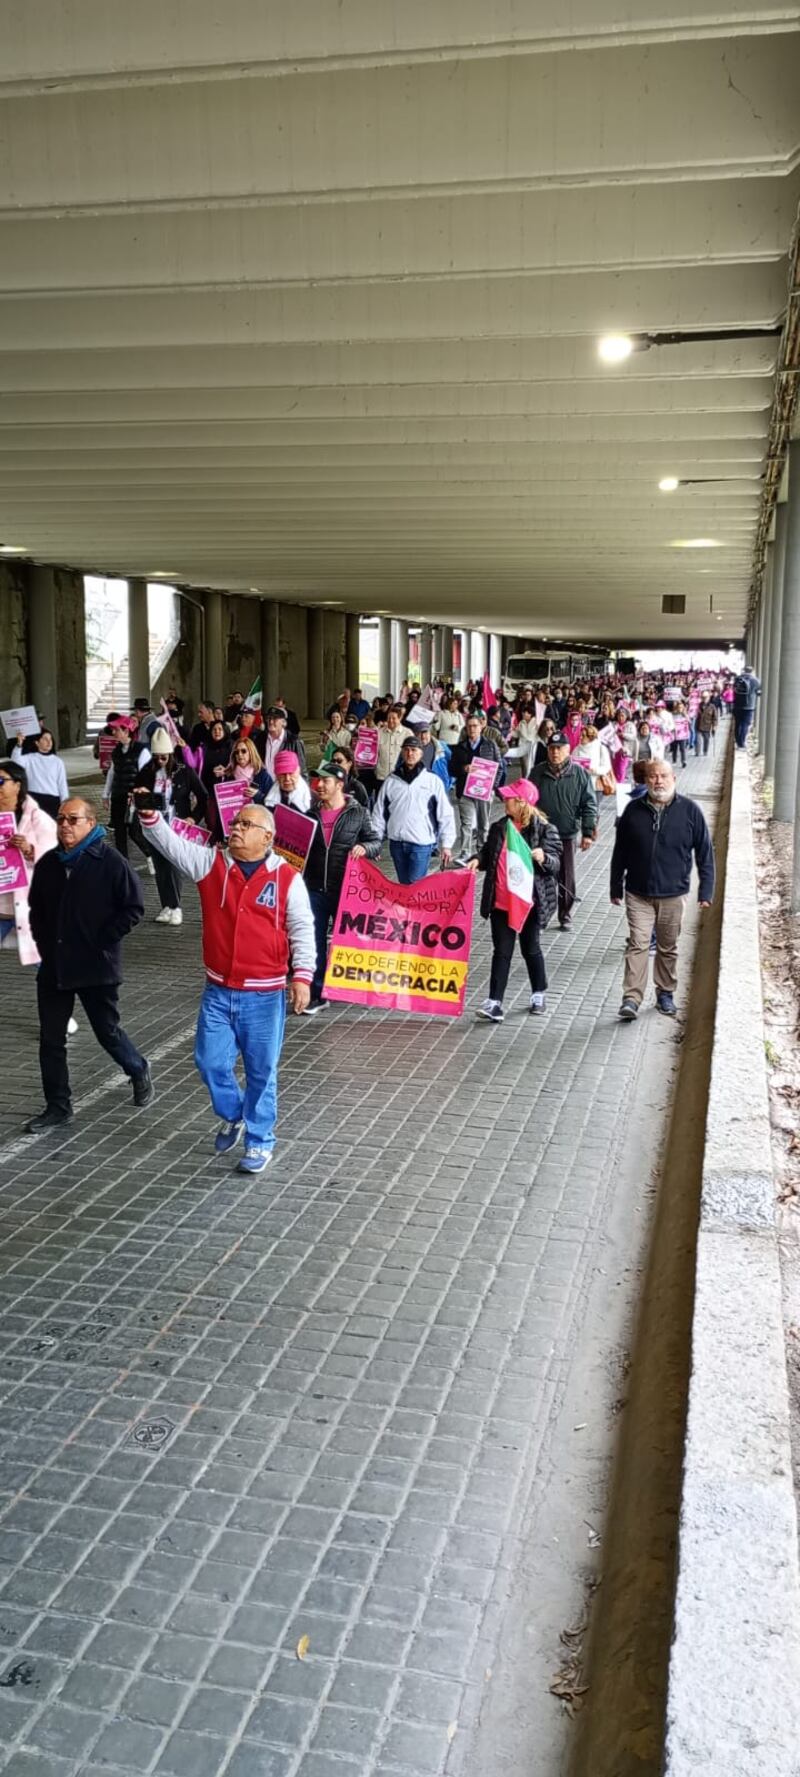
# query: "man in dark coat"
651, 865
84, 899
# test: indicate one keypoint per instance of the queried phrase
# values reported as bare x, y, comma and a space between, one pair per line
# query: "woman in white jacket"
47, 778
450, 723
35, 834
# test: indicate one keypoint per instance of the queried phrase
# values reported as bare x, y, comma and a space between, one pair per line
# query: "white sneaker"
72, 1027
164, 918
491, 1009
177, 916
151, 867
538, 1004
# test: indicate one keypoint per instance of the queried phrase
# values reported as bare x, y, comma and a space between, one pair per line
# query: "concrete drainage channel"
694, 1658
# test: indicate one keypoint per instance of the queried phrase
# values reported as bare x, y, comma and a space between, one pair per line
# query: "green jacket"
567, 799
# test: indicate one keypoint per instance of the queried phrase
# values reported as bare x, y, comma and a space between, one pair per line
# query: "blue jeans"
410, 861
323, 908
237, 1022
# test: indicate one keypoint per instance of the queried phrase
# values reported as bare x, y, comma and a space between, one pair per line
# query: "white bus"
525, 670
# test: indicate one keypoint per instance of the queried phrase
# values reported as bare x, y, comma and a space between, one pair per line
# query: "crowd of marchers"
555, 753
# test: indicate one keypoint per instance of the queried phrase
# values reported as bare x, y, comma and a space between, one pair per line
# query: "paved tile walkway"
240, 1413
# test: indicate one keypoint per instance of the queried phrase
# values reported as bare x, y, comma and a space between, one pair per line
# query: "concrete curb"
733, 1701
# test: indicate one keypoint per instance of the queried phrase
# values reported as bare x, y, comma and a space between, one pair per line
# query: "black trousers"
118, 812
566, 880
676, 747
168, 881
55, 1010
50, 804
503, 938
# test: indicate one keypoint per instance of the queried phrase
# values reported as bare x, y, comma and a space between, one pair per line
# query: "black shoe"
143, 1089
51, 1117
564, 925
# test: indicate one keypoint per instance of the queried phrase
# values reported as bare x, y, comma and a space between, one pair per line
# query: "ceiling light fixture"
12, 549
161, 574
668, 484
614, 348
696, 543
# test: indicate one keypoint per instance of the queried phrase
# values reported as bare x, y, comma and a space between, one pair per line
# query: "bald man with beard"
84, 899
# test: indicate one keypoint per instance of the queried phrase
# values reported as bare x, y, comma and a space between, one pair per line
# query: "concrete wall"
293, 657
184, 670
241, 643
14, 633
70, 715
334, 664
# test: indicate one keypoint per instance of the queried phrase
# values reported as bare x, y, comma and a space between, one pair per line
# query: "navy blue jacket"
80, 913
746, 689
653, 851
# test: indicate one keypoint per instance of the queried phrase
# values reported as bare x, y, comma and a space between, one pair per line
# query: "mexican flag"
519, 870
255, 695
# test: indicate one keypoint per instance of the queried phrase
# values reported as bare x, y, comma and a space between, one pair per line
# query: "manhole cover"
151, 1434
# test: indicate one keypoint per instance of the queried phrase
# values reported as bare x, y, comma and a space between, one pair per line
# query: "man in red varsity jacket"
257, 925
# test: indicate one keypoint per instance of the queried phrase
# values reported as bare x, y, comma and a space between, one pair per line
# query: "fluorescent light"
161, 574
668, 484
614, 348
12, 549
696, 543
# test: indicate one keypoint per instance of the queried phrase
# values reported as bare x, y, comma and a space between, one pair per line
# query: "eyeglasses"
70, 820
239, 822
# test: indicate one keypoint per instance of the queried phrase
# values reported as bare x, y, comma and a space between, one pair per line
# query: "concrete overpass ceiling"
307, 299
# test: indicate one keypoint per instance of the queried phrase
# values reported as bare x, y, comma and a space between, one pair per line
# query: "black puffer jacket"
189, 794
545, 885
126, 763
326, 863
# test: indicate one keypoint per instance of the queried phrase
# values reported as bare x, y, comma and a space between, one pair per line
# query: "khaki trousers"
667, 917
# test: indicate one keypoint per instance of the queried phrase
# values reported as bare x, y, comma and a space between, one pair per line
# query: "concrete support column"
495, 660
42, 643
138, 640
269, 648
775, 635
479, 654
213, 664
763, 657
315, 655
399, 653
384, 654
352, 650
466, 657
445, 666
787, 743
425, 655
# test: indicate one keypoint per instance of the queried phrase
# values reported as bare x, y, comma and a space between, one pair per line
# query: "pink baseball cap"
287, 762
523, 790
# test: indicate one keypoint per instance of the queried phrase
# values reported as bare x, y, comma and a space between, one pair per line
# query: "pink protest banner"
14, 873
607, 734
681, 728
230, 798
402, 947
293, 835
479, 784
188, 830
365, 751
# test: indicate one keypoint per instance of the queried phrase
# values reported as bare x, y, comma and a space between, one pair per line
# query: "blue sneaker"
254, 1160
666, 1004
227, 1136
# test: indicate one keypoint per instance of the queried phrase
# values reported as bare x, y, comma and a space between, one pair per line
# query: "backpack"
741, 686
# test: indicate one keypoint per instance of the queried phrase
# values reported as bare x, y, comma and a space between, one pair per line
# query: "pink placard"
402, 947
365, 750
14, 873
294, 833
479, 785
681, 728
230, 798
188, 830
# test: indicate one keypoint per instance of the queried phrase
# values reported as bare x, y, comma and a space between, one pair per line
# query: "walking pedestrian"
345, 829
176, 789
414, 811
657, 837
129, 755
568, 799
746, 692
391, 735
706, 723
521, 858
47, 778
83, 900
473, 813
257, 926
35, 834
290, 787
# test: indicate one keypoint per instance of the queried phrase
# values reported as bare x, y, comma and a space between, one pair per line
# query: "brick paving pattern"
313, 1404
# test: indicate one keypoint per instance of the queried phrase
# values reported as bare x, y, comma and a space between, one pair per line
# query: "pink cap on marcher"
286, 762
524, 791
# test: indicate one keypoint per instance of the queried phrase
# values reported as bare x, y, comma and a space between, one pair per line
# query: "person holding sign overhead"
345, 829
521, 859
257, 926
